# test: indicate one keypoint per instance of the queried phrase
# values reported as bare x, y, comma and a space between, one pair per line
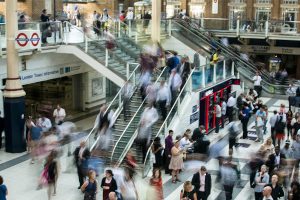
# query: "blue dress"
90, 191
3, 191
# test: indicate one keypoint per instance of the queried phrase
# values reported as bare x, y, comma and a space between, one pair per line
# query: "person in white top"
272, 122
185, 140
127, 92
218, 112
129, 16
175, 82
231, 104
59, 115
44, 123
257, 84
223, 110
163, 99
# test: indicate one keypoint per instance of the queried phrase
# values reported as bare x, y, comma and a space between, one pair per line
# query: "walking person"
90, 186
3, 189
202, 183
156, 182
218, 112
163, 99
259, 124
52, 166
245, 116
108, 184
257, 84
175, 82
45, 26
233, 132
223, 111
229, 178
127, 92
176, 162
272, 122
81, 155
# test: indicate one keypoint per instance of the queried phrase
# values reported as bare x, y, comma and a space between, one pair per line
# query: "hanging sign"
215, 6
28, 39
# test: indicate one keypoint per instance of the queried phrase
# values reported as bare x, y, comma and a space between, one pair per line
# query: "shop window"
289, 1
236, 13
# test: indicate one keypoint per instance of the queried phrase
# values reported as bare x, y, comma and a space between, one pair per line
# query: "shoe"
178, 180
174, 181
78, 187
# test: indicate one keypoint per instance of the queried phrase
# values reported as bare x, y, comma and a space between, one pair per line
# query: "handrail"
135, 133
170, 112
111, 103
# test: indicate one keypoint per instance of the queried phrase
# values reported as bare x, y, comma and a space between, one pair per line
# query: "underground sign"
22, 39
28, 40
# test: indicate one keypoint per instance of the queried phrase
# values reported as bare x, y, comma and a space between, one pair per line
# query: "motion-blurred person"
145, 80
157, 150
294, 193
280, 126
266, 194
101, 119
35, 135
163, 99
59, 115
175, 82
105, 141
233, 132
296, 150
257, 83
90, 186
254, 165
168, 147
202, 183
287, 150
231, 103
148, 118
277, 191
223, 111
108, 184
3, 189
151, 93
2, 126
81, 155
128, 188
184, 70
127, 92
272, 122
245, 116
176, 162
229, 178
65, 131
259, 124
261, 179
52, 166
156, 182
188, 193
44, 123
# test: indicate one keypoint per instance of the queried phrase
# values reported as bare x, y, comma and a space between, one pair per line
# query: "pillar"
155, 22
14, 101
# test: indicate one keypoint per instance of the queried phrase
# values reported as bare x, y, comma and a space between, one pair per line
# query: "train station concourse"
149, 100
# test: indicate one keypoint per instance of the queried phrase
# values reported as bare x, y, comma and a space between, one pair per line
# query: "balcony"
263, 4
173, 2
237, 3
290, 4
78, 1
197, 3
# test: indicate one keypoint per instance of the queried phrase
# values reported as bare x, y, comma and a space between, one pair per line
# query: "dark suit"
2, 126
80, 163
196, 183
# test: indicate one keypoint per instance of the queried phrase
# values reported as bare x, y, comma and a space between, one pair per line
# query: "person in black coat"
81, 155
277, 191
1, 129
108, 184
202, 188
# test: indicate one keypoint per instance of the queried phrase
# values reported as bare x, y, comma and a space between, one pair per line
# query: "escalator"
190, 31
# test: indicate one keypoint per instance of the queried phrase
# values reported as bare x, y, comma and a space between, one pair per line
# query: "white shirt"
59, 115
231, 102
129, 15
175, 81
257, 80
45, 124
218, 111
202, 183
127, 90
183, 143
163, 94
224, 105
273, 120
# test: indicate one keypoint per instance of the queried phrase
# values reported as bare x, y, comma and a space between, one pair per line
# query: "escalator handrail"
111, 103
128, 146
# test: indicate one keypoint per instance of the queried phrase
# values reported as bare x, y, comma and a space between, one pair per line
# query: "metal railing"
130, 142
116, 100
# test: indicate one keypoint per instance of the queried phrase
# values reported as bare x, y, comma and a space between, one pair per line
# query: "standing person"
78, 17
196, 62
156, 182
127, 92
175, 82
108, 184
52, 166
228, 178
148, 118
44, 123
223, 111
2, 127
81, 155
146, 20
163, 99
90, 186
272, 122
245, 116
188, 193
168, 146
176, 162
296, 150
3, 189
35, 136
129, 17
289, 117
59, 115
104, 20
280, 128
157, 150
261, 179
277, 191
218, 112
202, 183
96, 23
267, 191
295, 128
45, 25
257, 84
231, 103
184, 70
259, 124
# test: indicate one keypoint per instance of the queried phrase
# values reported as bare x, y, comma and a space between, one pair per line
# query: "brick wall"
39, 5
25, 7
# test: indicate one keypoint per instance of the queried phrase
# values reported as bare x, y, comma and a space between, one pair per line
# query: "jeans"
245, 127
217, 124
259, 133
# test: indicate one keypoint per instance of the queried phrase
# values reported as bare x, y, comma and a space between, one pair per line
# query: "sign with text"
28, 39
215, 7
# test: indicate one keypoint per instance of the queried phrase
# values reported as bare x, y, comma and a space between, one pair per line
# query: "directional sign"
35, 39
22, 39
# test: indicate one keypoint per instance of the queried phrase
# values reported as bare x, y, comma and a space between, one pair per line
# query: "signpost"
28, 39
